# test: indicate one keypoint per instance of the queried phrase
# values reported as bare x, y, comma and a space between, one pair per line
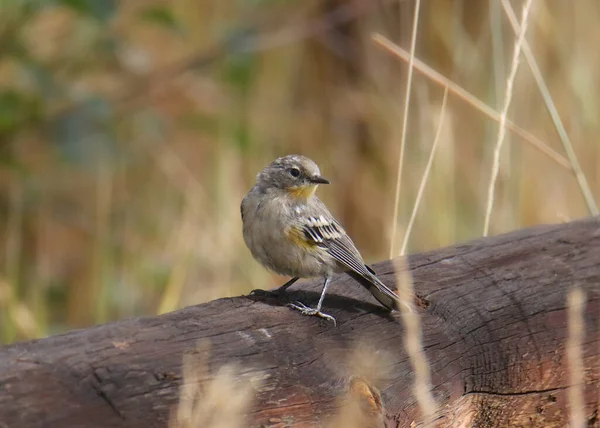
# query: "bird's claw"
305, 310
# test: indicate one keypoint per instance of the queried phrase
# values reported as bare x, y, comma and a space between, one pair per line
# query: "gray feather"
328, 234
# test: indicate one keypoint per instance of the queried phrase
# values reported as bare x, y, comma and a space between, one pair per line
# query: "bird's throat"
303, 192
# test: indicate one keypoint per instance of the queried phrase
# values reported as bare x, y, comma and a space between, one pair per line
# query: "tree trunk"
494, 319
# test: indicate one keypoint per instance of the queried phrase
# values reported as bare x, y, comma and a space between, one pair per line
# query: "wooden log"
494, 318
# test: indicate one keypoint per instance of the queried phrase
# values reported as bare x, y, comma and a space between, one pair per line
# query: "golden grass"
472, 100
218, 401
503, 114
558, 124
405, 122
413, 345
421, 190
223, 399
361, 406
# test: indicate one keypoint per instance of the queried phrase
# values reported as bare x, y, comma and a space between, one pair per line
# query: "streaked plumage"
291, 232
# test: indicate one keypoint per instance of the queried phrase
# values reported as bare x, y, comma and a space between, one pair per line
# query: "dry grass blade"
220, 402
404, 127
576, 304
502, 127
425, 173
362, 406
414, 345
184, 245
174, 170
475, 102
13, 249
17, 312
560, 129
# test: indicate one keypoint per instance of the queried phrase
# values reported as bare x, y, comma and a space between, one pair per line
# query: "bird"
290, 231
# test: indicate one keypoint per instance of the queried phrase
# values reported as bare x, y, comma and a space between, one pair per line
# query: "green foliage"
102, 10
162, 16
17, 111
239, 70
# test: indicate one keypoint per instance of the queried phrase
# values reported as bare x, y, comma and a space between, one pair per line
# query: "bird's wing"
324, 231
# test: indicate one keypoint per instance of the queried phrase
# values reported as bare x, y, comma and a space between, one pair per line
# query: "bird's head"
297, 175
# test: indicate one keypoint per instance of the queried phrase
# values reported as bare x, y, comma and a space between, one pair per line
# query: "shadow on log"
494, 322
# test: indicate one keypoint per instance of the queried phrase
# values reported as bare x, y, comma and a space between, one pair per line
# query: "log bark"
495, 331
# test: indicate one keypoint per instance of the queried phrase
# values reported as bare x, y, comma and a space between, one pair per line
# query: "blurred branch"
560, 129
244, 39
475, 102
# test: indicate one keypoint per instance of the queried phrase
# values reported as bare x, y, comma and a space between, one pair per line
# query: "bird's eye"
294, 172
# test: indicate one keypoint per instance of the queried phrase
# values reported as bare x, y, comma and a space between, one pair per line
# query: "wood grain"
494, 322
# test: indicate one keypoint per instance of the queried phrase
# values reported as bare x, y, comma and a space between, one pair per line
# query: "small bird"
291, 232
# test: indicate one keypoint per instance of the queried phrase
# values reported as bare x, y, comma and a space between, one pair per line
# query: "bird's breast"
274, 241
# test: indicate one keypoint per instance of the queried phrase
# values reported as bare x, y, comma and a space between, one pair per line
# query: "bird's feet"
305, 310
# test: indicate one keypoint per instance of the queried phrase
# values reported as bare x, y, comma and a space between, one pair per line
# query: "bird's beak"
317, 179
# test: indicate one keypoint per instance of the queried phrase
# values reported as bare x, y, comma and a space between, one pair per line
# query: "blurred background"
131, 130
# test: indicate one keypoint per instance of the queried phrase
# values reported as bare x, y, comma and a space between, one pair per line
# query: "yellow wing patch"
298, 237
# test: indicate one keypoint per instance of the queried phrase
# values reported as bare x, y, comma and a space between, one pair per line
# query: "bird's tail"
378, 289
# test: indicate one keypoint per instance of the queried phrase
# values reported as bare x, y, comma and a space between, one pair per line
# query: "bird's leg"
278, 291
325, 285
287, 285
305, 310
